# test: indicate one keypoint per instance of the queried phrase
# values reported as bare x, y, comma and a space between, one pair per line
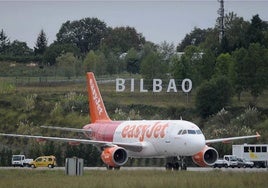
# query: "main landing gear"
112, 168
176, 163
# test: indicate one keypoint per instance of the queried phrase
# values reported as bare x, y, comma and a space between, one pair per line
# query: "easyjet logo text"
141, 131
95, 97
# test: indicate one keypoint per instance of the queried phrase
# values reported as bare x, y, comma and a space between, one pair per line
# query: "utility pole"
221, 20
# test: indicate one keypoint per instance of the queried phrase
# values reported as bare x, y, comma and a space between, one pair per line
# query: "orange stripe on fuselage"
102, 131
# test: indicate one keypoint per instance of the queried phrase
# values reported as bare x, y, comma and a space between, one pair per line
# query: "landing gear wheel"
176, 163
113, 168
183, 166
109, 167
176, 166
117, 168
169, 166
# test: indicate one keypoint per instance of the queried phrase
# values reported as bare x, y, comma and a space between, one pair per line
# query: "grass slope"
56, 178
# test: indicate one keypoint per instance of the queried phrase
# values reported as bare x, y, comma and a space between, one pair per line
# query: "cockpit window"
189, 131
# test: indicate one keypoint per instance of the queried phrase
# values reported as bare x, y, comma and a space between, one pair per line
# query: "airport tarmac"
196, 169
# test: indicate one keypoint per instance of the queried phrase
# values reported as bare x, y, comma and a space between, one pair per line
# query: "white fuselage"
161, 138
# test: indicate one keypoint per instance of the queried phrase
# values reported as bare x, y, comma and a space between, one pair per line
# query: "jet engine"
206, 157
114, 156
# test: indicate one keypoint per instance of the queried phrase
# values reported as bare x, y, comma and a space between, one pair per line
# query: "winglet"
96, 105
258, 135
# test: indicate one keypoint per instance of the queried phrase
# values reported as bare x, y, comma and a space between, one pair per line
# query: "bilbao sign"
156, 85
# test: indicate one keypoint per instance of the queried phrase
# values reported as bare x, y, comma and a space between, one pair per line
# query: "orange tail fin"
96, 105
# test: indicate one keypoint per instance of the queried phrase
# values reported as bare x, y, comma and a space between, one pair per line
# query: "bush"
212, 96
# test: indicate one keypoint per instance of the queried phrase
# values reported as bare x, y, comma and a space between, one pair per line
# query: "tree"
90, 62
189, 64
122, 39
195, 37
235, 31
258, 56
4, 42
256, 30
211, 42
132, 60
41, 43
223, 65
115, 64
251, 69
166, 51
95, 62
67, 63
153, 67
55, 50
240, 77
212, 96
18, 48
86, 34
206, 66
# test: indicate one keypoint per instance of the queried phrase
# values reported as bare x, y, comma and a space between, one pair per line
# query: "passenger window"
264, 149
246, 149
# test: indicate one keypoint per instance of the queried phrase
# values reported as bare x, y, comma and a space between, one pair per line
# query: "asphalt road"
197, 169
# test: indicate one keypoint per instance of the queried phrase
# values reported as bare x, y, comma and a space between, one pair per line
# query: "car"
220, 163
244, 163
44, 161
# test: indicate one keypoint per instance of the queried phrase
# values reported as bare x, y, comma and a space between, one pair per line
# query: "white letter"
132, 85
157, 85
183, 84
120, 84
172, 85
141, 86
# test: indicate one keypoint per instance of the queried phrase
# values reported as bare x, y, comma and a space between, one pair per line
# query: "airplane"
120, 140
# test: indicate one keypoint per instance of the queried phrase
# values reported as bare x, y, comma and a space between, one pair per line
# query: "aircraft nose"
197, 143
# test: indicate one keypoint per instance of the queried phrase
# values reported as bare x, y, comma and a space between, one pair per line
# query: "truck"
20, 160
257, 153
231, 160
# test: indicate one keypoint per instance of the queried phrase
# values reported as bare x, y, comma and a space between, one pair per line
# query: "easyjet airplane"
119, 140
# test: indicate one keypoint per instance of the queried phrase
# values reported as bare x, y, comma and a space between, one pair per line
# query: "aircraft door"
168, 135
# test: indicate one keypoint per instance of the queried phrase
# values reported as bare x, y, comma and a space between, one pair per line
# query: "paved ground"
155, 168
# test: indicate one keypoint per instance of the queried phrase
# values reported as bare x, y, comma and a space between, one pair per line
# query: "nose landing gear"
176, 163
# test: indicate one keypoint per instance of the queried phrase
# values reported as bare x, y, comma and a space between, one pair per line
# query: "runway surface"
196, 169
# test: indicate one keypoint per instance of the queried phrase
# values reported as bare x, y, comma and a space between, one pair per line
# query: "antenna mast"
221, 19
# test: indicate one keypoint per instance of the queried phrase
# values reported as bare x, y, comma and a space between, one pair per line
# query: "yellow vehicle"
44, 161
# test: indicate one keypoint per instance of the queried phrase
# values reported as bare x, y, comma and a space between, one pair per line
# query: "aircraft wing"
227, 140
66, 129
129, 146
